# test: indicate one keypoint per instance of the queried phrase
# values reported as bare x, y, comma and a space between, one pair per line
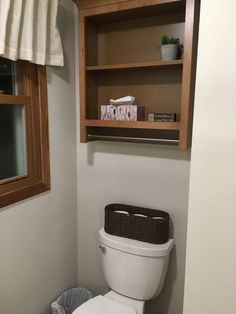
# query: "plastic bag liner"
68, 301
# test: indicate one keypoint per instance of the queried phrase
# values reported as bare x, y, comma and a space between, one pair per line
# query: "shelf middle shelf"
137, 65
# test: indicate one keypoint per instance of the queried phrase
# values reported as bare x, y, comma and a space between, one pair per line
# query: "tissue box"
122, 112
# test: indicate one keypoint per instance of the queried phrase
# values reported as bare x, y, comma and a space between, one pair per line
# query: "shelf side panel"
82, 76
189, 70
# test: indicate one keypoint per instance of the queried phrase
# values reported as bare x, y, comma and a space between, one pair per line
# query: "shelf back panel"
157, 90
131, 41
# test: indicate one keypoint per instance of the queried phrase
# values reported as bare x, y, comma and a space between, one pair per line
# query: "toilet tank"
133, 268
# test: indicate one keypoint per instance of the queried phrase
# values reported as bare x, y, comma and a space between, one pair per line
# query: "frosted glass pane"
12, 141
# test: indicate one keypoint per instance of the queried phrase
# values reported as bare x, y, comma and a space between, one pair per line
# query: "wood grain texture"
84, 4
109, 70
192, 12
137, 65
120, 4
82, 76
33, 95
133, 124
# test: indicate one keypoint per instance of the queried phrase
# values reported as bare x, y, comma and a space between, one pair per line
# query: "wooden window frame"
32, 93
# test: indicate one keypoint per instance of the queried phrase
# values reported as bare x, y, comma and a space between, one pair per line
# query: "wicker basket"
137, 223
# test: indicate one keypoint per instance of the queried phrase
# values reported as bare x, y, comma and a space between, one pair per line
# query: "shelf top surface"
128, 10
87, 4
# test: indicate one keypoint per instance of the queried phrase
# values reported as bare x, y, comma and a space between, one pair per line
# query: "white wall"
211, 256
38, 235
144, 175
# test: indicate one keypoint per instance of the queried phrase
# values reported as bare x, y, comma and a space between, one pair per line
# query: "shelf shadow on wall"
134, 149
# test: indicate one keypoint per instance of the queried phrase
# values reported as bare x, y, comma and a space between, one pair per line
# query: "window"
24, 147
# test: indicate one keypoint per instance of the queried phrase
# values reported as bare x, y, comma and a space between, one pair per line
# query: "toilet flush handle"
103, 248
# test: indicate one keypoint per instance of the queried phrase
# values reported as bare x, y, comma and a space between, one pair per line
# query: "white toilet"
134, 270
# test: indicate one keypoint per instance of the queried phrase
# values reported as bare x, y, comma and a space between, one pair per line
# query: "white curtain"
28, 31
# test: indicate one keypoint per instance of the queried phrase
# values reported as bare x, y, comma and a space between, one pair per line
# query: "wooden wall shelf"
134, 125
137, 66
119, 56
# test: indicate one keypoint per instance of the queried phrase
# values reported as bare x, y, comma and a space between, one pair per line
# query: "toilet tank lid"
136, 247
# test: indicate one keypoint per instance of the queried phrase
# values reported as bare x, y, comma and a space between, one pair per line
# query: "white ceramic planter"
169, 52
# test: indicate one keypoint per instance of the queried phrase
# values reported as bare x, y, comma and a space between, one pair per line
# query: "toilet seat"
104, 305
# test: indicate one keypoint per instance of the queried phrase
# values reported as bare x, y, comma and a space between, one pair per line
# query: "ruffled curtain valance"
28, 31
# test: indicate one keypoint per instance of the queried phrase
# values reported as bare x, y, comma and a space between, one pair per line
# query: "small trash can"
68, 301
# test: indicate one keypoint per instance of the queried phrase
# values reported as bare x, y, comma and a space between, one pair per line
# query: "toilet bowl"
105, 305
135, 271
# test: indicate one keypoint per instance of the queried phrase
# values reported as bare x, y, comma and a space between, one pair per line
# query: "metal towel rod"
92, 137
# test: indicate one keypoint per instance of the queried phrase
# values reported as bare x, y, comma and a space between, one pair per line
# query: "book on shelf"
162, 117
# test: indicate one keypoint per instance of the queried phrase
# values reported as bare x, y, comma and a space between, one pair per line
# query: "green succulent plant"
165, 40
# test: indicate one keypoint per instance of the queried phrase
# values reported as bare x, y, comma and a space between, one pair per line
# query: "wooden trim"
82, 76
33, 86
133, 124
187, 79
100, 13
104, 6
136, 66
127, 5
14, 100
44, 131
84, 4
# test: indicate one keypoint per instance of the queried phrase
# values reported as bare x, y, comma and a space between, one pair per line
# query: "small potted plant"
170, 48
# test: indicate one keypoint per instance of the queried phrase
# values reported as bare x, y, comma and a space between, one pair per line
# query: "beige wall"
151, 176
211, 256
38, 235
146, 175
